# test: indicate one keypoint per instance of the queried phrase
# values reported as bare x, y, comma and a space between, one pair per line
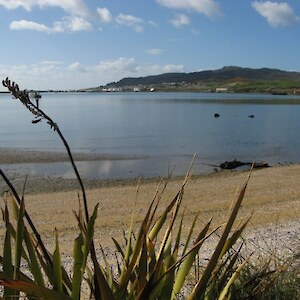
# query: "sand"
272, 196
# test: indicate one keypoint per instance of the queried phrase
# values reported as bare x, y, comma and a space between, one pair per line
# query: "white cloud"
174, 68
74, 7
77, 67
180, 20
167, 69
76, 75
154, 51
122, 65
277, 14
104, 14
131, 21
29, 25
210, 8
72, 24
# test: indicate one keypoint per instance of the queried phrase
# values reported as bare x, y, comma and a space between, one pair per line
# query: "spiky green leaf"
57, 271
77, 269
34, 265
19, 239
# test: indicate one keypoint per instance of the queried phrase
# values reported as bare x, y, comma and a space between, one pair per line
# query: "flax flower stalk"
40, 115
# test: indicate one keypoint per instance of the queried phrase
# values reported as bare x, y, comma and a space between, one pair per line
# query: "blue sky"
66, 44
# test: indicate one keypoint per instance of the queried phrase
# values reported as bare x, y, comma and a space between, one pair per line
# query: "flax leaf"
57, 271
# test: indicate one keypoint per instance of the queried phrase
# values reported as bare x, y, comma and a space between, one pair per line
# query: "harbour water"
155, 132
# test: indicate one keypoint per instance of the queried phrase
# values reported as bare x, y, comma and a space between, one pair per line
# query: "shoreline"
38, 183
273, 196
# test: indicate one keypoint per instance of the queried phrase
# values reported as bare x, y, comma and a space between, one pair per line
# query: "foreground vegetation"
155, 262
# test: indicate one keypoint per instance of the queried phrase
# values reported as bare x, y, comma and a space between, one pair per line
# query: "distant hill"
224, 74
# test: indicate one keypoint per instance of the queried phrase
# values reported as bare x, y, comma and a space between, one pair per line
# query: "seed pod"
36, 121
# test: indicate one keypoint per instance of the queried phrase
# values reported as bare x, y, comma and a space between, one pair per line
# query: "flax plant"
155, 263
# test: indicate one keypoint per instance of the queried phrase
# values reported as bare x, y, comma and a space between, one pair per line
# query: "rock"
229, 165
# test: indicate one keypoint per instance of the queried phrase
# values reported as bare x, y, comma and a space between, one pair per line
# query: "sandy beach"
272, 196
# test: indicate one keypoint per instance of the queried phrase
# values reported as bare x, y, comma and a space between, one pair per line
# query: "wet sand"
16, 156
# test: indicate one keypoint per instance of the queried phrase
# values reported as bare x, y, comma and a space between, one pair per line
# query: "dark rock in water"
216, 115
260, 165
229, 165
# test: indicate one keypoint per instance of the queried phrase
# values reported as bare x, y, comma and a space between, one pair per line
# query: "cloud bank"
57, 75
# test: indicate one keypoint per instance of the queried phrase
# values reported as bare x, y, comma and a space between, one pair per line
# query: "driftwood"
229, 165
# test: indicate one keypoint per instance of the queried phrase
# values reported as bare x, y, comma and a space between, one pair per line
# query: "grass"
269, 277
155, 261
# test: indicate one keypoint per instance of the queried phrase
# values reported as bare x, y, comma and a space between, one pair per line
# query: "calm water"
168, 128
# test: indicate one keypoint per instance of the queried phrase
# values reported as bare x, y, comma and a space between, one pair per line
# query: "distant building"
221, 90
112, 89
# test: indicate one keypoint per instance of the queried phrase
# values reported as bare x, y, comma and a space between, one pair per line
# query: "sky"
73, 44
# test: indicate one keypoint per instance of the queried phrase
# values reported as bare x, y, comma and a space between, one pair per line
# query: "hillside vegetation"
227, 79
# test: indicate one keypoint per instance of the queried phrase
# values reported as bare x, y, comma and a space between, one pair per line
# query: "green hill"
226, 73
229, 79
